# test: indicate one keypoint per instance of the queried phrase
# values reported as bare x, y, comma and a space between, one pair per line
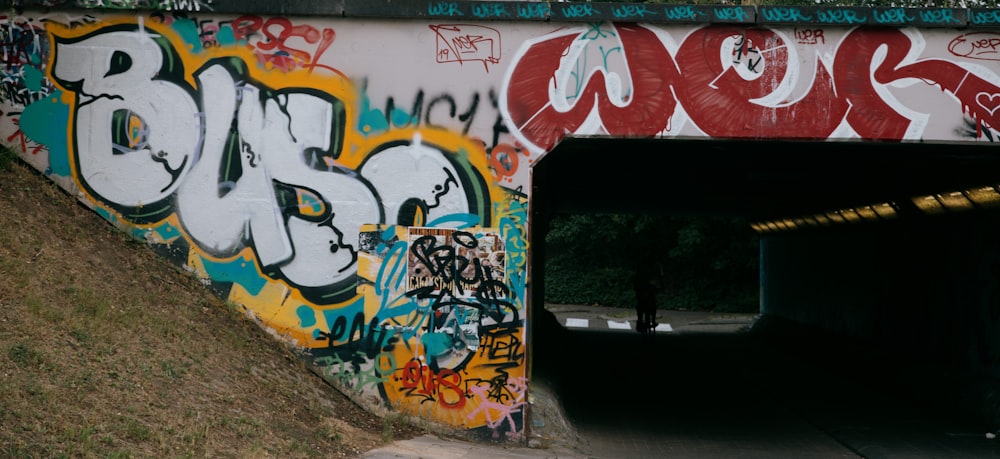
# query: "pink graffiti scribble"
498, 413
208, 32
467, 43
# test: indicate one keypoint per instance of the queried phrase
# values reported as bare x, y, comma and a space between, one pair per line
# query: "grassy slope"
107, 350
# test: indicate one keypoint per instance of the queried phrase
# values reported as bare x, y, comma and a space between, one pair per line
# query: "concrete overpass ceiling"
753, 179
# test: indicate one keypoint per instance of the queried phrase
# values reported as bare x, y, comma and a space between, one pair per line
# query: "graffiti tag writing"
467, 43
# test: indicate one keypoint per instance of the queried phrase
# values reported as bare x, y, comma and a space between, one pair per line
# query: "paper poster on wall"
466, 264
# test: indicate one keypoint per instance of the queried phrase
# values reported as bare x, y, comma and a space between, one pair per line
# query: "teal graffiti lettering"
489, 10
579, 11
782, 14
680, 13
840, 17
444, 9
632, 11
939, 17
533, 11
891, 16
730, 14
985, 17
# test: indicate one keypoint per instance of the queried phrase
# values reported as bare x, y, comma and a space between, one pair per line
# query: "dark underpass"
878, 336
771, 392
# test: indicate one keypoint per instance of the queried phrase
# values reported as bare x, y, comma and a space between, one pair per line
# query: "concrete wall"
926, 289
359, 180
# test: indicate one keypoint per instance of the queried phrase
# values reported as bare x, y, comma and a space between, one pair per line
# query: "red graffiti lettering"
810, 36
465, 43
722, 96
647, 112
444, 386
722, 102
273, 47
979, 98
977, 45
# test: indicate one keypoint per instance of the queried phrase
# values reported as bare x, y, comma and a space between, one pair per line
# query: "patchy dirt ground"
107, 350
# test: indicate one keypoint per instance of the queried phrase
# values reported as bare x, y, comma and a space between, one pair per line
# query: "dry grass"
108, 350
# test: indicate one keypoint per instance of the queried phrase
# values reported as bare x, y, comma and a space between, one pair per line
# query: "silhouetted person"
646, 284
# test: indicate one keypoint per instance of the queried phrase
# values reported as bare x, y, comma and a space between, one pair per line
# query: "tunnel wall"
356, 175
927, 290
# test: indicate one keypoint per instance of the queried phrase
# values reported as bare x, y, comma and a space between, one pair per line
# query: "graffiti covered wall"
360, 185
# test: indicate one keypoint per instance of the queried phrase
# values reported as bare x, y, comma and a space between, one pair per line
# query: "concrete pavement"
436, 447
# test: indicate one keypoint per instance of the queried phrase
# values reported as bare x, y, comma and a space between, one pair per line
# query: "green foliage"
574, 284
705, 263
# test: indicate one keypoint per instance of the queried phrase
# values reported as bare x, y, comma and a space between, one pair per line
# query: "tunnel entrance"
761, 182
771, 187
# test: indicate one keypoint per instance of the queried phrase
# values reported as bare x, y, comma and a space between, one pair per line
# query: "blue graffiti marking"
36, 122
242, 272
307, 316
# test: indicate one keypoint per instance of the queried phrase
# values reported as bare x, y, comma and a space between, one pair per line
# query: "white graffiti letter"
135, 135
222, 215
